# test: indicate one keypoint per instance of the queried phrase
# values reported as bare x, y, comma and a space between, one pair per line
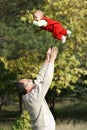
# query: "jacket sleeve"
41, 74
40, 23
45, 82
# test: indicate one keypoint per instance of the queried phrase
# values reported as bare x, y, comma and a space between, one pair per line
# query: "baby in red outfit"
50, 25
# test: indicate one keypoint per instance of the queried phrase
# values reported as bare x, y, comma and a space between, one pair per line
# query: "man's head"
25, 86
38, 14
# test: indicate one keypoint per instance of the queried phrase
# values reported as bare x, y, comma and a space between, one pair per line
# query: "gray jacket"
40, 114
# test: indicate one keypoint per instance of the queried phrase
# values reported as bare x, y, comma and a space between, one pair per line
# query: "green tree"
6, 76
19, 38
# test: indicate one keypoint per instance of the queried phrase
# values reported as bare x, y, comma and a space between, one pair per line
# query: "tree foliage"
23, 122
24, 50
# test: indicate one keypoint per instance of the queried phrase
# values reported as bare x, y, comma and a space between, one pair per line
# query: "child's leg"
58, 31
69, 33
64, 31
63, 39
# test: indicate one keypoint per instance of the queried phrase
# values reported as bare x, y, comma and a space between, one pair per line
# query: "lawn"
67, 110
70, 125
71, 115
68, 115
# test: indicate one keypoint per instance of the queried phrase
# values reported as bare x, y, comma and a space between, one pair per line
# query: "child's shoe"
63, 39
69, 33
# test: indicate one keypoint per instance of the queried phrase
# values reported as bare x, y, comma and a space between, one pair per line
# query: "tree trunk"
20, 103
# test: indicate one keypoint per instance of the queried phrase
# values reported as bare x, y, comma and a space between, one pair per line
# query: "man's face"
28, 84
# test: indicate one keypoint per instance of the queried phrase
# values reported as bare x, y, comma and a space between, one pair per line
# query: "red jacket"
55, 27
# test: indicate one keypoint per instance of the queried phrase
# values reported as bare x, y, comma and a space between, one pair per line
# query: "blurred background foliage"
22, 51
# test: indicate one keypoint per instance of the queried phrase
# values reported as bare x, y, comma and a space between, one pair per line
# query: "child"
51, 25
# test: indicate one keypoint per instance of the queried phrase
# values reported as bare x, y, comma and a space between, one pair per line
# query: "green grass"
61, 125
10, 111
8, 115
76, 111
69, 115
70, 125
6, 125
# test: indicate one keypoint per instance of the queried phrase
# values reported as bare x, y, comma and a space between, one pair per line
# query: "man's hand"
53, 54
48, 55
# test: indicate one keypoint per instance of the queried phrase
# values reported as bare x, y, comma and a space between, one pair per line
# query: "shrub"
22, 123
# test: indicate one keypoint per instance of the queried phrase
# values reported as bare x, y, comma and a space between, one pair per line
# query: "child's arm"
40, 23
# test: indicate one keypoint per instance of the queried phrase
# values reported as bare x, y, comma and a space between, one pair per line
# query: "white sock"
69, 33
63, 39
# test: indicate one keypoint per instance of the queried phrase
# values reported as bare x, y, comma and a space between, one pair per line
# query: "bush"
22, 123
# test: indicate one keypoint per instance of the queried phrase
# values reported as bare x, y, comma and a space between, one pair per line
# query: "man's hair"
21, 88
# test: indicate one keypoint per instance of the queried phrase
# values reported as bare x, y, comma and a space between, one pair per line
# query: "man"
34, 94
